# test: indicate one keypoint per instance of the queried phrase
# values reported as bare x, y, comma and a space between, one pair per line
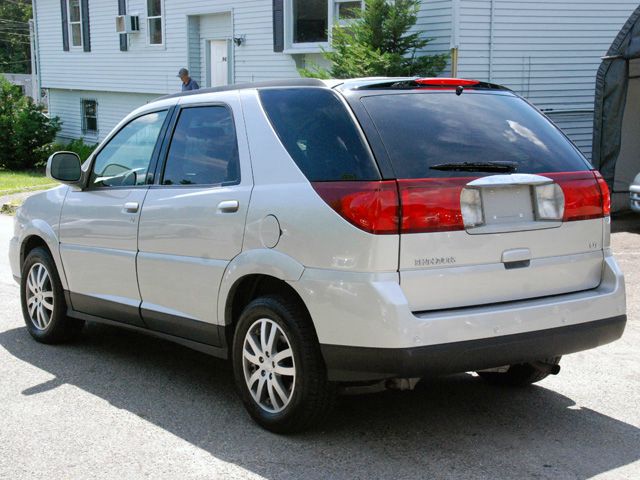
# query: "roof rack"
297, 82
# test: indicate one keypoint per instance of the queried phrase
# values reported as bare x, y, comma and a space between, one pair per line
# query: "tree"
15, 48
380, 42
26, 133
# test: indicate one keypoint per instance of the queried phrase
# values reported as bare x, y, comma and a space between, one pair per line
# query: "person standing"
188, 83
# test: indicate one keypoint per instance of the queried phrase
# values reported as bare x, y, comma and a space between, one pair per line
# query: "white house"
547, 51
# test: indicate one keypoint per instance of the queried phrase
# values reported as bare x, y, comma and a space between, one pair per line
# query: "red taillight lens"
434, 205
431, 204
584, 198
370, 206
447, 82
606, 195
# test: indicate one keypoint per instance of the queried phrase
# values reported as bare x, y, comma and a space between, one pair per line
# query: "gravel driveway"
120, 405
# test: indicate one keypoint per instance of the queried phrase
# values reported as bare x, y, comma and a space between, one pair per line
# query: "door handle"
131, 207
228, 206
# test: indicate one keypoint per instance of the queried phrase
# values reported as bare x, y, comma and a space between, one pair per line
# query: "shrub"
25, 131
77, 146
380, 42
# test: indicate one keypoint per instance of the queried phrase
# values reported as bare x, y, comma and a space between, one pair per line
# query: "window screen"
89, 116
154, 21
203, 150
317, 131
75, 23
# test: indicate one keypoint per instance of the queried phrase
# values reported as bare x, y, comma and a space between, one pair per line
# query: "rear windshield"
317, 131
420, 130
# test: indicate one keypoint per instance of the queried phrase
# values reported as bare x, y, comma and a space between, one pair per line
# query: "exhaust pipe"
550, 368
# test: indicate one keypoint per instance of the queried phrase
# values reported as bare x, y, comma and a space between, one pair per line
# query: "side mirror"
64, 167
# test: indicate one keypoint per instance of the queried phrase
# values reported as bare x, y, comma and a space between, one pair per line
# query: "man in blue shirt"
188, 83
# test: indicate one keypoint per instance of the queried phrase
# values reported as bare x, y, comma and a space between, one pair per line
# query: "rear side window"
317, 131
420, 130
203, 150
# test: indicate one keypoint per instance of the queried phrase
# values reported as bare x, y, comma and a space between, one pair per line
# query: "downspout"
455, 29
36, 77
491, 18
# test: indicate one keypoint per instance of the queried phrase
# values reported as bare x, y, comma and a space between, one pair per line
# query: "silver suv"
324, 235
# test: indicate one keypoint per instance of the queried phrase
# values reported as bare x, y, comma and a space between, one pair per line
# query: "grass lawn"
12, 182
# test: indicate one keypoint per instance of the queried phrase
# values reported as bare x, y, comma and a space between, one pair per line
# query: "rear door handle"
228, 206
131, 207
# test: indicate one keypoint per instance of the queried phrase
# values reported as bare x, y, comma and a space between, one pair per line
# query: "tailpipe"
549, 368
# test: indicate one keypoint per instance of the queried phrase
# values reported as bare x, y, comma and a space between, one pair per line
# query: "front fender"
251, 262
40, 228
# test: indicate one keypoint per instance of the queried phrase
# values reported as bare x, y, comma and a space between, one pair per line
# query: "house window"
154, 21
310, 21
346, 11
89, 117
75, 22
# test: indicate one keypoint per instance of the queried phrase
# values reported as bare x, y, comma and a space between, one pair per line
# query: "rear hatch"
496, 204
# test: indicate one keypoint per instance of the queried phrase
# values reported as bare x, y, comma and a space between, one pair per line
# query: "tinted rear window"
420, 130
317, 131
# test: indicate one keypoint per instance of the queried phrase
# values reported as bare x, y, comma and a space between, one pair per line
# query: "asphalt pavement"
117, 404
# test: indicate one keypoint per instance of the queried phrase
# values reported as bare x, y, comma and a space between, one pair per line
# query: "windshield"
423, 130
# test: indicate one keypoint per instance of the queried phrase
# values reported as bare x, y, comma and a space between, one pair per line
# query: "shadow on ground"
452, 427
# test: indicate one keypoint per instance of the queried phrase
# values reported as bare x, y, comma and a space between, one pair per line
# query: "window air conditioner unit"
127, 24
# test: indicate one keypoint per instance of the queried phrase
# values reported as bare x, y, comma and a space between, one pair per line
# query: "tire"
519, 375
283, 393
43, 304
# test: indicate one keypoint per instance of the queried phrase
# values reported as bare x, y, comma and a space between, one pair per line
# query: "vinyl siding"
435, 19
112, 107
150, 68
547, 51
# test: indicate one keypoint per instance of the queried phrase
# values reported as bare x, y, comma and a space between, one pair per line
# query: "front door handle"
228, 206
131, 207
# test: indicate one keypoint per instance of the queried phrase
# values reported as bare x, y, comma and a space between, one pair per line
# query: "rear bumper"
367, 329
362, 363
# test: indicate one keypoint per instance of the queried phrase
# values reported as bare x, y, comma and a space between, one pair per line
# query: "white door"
219, 62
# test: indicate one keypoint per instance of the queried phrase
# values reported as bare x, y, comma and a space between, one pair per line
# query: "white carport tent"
616, 133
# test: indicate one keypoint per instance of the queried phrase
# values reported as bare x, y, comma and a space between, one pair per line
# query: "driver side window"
124, 161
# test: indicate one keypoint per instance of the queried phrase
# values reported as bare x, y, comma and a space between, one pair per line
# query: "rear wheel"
521, 374
278, 367
43, 304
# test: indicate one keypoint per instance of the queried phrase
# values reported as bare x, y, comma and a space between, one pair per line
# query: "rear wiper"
499, 167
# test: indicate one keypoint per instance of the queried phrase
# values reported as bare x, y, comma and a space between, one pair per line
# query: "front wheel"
43, 304
278, 367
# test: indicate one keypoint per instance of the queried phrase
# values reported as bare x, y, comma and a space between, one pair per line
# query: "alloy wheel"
269, 366
39, 296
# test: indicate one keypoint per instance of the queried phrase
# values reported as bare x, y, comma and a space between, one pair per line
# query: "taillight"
447, 82
584, 197
431, 204
370, 206
604, 192
444, 204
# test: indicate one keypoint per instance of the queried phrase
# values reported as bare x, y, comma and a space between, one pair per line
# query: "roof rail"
296, 82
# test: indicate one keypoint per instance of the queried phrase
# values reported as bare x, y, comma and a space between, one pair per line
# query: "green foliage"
77, 146
378, 43
15, 56
25, 131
